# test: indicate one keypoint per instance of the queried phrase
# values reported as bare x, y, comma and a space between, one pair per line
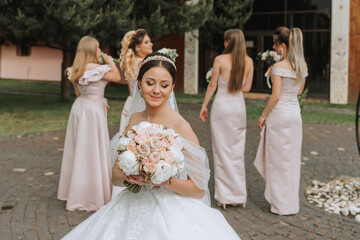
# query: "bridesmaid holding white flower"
279, 154
232, 75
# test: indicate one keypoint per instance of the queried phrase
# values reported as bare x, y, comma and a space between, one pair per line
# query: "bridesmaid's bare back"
226, 65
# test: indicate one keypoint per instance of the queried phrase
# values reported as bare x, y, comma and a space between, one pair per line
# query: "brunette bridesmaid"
232, 75
278, 158
85, 177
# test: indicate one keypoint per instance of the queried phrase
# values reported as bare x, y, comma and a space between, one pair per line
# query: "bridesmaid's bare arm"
211, 88
77, 93
302, 87
248, 75
274, 98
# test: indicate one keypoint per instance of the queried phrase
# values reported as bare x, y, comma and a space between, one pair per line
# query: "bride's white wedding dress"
158, 213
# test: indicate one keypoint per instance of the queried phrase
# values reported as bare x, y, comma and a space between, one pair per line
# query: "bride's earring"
140, 92
282, 52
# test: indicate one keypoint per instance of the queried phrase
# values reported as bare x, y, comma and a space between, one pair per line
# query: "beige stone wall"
339, 51
191, 62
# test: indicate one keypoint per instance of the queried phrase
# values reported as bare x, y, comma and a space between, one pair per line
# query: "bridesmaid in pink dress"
232, 75
278, 158
85, 177
135, 46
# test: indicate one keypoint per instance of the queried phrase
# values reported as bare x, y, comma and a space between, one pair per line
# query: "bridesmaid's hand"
108, 59
107, 107
203, 114
261, 122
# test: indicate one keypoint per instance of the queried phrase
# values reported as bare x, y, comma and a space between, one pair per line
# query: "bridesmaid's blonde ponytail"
128, 52
85, 54
237, 49
293, 39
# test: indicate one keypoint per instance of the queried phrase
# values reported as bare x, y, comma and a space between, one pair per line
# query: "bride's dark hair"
168, 64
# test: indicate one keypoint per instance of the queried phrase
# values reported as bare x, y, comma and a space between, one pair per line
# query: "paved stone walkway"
30, 165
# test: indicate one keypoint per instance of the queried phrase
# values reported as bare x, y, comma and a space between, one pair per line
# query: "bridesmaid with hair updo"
232, 75
135, 46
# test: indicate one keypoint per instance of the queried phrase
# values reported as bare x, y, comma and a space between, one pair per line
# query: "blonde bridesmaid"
232, 75
135, 46
278, 158
85, 176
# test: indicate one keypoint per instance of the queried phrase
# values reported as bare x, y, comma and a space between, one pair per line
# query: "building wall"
43, 64
354, 56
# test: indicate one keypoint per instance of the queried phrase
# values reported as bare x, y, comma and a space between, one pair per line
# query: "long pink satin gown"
125, 113
278, 158
228, 133
85, 177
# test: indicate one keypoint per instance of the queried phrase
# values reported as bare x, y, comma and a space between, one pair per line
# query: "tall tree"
226, 14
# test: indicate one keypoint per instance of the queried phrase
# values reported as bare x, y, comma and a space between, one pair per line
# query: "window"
23, 49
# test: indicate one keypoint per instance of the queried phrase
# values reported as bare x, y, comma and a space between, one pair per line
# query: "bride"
178, 209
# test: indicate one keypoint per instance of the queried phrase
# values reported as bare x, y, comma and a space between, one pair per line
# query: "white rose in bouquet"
178, 156
163, 171
170, 132
128, 163
143, 125
122, 143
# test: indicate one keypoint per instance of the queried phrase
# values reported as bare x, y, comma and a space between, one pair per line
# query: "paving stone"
37, 213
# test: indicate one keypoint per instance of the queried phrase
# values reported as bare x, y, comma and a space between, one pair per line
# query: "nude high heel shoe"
223, 205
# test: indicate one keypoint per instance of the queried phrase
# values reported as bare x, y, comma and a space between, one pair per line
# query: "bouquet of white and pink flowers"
270, 57
150, 150
169, 52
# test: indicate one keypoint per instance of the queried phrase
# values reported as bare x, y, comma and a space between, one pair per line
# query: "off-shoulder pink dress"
278, 157
85, 177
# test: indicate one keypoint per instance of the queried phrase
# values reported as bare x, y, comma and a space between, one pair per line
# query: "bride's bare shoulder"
185, 130
135, 119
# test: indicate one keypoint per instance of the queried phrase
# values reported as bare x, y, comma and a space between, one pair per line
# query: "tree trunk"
65, 83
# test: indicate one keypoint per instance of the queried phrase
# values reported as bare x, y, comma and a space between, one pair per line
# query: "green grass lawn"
20, 114
26, 114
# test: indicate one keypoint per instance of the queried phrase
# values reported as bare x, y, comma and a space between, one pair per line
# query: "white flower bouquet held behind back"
270, 57
151, 150
209, 74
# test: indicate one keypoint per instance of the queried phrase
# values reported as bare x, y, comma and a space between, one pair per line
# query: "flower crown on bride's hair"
159, 58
